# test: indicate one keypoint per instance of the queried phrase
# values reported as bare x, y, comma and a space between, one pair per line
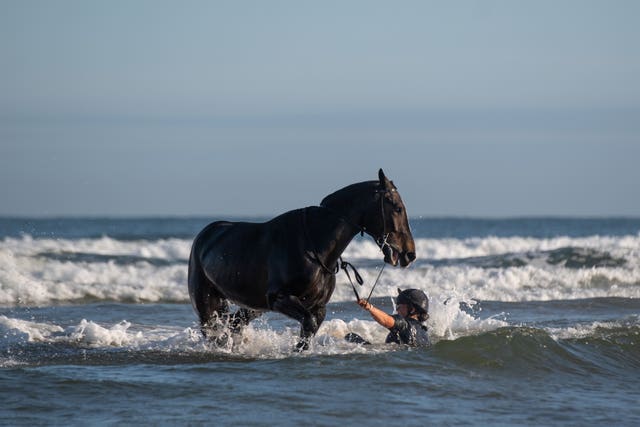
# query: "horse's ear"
384, 181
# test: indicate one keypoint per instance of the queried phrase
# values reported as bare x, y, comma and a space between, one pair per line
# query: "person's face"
403, 309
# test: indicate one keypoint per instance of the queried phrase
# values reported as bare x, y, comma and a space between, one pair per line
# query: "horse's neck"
342, 214
348, 202
330, 233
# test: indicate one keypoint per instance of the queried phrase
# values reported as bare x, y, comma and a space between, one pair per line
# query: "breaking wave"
54, 271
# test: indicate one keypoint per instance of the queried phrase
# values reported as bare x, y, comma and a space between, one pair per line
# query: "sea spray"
93, 335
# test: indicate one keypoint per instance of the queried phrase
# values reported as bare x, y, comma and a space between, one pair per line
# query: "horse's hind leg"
213, 311
242, 318
209, 304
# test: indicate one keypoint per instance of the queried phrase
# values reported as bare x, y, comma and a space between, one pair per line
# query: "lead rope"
344, 265
376, 282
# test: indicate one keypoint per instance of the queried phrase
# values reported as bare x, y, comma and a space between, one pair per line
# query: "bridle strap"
314, 254
382, 240
344, 265
341, 265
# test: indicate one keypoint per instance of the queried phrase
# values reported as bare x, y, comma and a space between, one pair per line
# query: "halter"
382, 240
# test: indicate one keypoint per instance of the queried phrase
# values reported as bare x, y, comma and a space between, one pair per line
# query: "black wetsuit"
408, 331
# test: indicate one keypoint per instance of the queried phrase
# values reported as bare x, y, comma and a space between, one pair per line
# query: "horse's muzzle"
393, 256
408, 258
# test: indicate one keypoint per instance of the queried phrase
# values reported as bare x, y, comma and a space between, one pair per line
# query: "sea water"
534, 321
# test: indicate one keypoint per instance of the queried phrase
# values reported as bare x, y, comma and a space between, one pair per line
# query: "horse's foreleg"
290, 305
318, 316
320, 313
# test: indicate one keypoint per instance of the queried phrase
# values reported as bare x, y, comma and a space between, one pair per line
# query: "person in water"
405, 327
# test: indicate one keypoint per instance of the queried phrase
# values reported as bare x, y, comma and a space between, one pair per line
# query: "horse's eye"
398, 209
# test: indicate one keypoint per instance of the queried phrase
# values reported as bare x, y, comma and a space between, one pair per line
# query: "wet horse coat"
288, 264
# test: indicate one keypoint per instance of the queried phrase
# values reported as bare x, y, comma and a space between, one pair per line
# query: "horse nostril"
411, 256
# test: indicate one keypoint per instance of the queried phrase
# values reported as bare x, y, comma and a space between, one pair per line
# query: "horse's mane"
347, 194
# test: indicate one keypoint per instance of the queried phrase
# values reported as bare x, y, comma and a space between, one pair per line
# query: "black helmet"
415, 298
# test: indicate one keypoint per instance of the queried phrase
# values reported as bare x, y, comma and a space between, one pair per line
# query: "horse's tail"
205, 298
195, 277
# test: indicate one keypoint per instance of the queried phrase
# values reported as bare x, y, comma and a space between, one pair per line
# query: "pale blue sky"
481, 108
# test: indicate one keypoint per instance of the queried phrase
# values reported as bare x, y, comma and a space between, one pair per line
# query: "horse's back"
244, 261
231, 259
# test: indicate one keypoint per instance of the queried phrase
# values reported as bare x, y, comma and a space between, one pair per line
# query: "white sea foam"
47, 271
593, 329
264, 338
169, 249
18, 330
436, 249
528, 283
94, 335
27, 277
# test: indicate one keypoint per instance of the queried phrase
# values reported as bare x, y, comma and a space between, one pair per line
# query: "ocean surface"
534, 321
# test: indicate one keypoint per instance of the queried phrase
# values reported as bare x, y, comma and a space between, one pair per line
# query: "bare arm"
378, 315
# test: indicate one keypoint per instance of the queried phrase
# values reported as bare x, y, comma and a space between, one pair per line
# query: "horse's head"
387, 222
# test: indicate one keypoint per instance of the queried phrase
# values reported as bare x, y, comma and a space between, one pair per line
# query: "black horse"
288, 264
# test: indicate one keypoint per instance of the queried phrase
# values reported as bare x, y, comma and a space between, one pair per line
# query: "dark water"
534, 322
